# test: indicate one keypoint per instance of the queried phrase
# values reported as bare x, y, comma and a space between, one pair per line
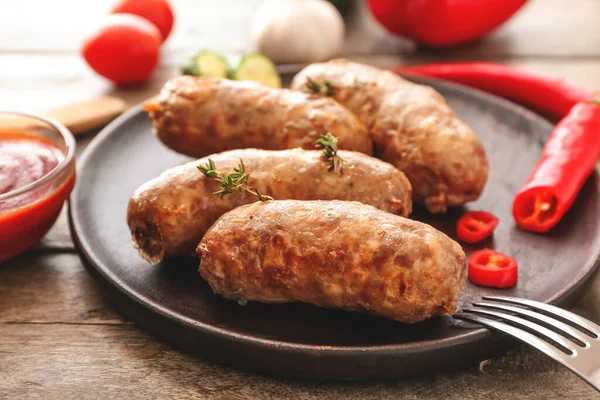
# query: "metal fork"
568, 338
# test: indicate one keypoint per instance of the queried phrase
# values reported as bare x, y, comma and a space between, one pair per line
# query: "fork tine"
565, 330
583, 323
523, 323
516, 333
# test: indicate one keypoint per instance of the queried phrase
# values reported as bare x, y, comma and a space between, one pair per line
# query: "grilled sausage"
202, 116
170, 214
412, 127
335, 254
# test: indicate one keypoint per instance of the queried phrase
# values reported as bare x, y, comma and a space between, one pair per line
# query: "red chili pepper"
550, 96
569, 157
442, 23
493, 269
476, 226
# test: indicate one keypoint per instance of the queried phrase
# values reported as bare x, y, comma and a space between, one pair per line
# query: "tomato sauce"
25, 218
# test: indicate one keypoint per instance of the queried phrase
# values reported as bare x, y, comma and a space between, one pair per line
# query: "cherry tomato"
493, 269
125, 49
476, 226
158, 12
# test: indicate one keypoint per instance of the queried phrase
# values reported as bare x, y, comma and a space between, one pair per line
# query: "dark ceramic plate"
172, 301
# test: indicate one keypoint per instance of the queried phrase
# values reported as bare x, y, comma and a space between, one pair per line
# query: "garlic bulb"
298, 31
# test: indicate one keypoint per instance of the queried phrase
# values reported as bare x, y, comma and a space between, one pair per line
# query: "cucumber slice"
234, 61
259, 68
206, 63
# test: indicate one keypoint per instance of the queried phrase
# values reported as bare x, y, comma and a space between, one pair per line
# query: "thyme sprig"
329, 145
327, 88
313, 86
237, 181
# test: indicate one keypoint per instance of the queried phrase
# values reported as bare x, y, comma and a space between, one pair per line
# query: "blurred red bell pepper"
443, 23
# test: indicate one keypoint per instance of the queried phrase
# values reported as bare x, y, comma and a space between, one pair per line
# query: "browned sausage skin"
335, 254
169, 215
412, 127
202, 116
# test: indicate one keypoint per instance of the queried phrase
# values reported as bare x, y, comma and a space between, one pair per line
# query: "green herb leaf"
261, 196
329, 88
329, 145
313, 86
230, 183
209, 169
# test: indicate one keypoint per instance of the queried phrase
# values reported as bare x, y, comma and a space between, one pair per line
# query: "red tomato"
158, 12
125, 49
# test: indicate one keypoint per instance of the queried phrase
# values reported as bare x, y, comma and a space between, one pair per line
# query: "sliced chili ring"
476, 226
493, 269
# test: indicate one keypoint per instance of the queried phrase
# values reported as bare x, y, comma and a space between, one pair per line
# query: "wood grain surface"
61, 339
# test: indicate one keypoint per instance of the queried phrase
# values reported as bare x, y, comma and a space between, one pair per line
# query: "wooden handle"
87, 115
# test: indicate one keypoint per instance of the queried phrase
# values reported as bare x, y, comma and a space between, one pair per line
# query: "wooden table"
61, 339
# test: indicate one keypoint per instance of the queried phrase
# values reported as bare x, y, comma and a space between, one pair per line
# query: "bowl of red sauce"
37, 174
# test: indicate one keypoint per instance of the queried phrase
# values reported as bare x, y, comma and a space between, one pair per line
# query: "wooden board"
173, 301
61, 340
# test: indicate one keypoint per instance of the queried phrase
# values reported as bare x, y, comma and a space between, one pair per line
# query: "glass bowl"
28, 212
